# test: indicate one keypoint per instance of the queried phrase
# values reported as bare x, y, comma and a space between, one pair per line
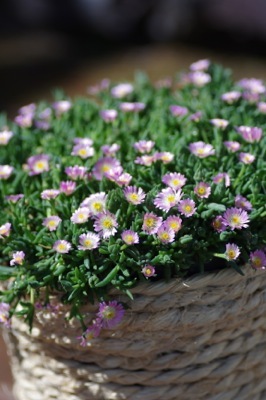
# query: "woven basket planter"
202, 338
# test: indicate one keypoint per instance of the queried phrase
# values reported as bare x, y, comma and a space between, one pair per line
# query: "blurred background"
71, 44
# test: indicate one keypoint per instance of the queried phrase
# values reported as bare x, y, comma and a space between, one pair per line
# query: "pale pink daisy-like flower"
110, 313
178, 111
103, 166
167, 199
62, 246
165, 234
17, 258
252, 85
27, 109
4, 314
165, 156
196, 117
146, 160
262, 107
52, 222
242, 202
13, 198
200, 65
222, 177
83, 141
219, 123
231, 97
46, 114
49, 194
132, 107
148, 271
24, 121
88, 241
67, 187
38, 164
175, 180
5, 137
201, 149
134, 195
108, 115
110, 150
173, 222
151, 223
76, 172
130, 237
80, 216
250, 134
5, 230
5, 171
92, 332
202, 190
95, 203
121, 90
246, 158
144, 146
82, 151
232, 251
258, 259
114, 173
232, 146
187, 207
124, 179
199, 78
106, 224
218, 224
251, 97
61, 107
235, 218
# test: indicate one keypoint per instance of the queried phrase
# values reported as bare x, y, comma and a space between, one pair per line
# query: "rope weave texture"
203, 338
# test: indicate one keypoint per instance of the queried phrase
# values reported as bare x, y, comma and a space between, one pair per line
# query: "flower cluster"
145, 183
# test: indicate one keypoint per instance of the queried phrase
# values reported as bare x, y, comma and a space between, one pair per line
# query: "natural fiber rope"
203, 338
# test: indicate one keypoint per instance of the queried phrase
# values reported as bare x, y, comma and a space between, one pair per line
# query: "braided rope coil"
203, 338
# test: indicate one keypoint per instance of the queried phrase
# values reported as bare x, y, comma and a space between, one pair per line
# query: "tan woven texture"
204, 338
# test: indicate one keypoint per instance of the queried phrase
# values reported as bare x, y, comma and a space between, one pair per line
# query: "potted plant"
132, 236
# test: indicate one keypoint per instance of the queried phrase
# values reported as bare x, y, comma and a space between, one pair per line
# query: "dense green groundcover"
195, 241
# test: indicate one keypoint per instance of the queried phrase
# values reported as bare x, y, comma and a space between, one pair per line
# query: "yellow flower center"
109, 312
231, 254
201, 190
82, 152
164, 236
188, 208
107, 224
257, 261
133, 196
52, 223
61, 247
176, 182
87, 242
150, 222
40, 165
97, 206
171, 198
235, 219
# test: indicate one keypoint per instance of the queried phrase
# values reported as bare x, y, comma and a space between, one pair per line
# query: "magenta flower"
62, 246
250, 134
246, 158
5, 230
132, 107
134, 195
258, 259
174, 180
202, 190
5, 137
105, 224
199, 78
232, 251
130, 237
92, 332
144, 146
201, 65
76, 172
108, 115
262, 107
222, 176
49, 194
67, 187
231, 97
178, 111
167, 199
252, 85
61, 107
38, 164
242, 202
196, 117
110, 313
201, 149
13, 198
80, 216
165, 156
52, 222
218, 224
235, 218
165, 234
173, 222
5, 171
4, 314
95, 203
151, 223
122, 90
187, 207
148, 271
89, 241
82, 151
232, 146
103, 166
110, 150
17, 258
219, 123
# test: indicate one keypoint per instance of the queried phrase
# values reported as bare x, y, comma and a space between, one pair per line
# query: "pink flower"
148, 271
231, 97
24, 121
199, 78
250, 134
89, 241
132, 107
80, 216
5, 137
67, 187
258, 259
62, 246
51, 222
95, 203
178, 111
222, 176
173, 222
252, 85
144, 146
130, 237
13, 198
202, 190
246, 158
83, 141
29, 109
121, 90
17, 258
38, 164
123, 179
187, 207
49, 194
174, 180
61, 107
167, 199
218, 224
235, 218
232, 146
134, 195
76, 172
196, 117
145, 160
110, 150
262, 107
201, 65
242, 202
5, 230
219, 123
105, 224
92, 332
110, 313
165, 234
5, 171
151, 223
165, 156
201, 149
103, 166
108, 115
232, 251
4, 314
82, 151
